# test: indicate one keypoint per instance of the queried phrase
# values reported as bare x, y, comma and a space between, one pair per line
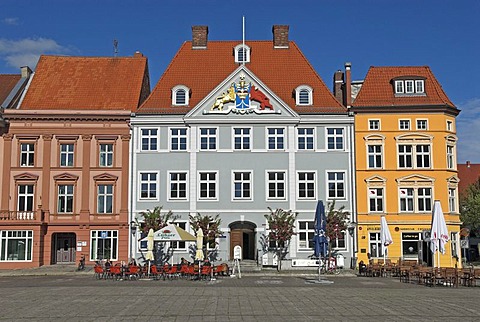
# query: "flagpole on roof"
243, 39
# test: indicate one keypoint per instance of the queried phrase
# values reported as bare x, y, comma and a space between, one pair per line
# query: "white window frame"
336, 241
377, 195
244, 138
111, 236
399, 87
308, 139
336, 182
26, 201
427, 199
180, 245
278, 139
245, 183
375, 245
452, 200
106, 154
148, 181
22, 238
207, 182
152, 139
404, 124
27, 153
246, 53
374, 125
175, 92
422, 124
67, 156
177, 183
182, 139
407, 195
65, 197
408, 157
450, 157
409, 86
208, 136
449, 126
107, 196
419, 86
276, 182
305, 233
302, 90
335, 136
309, 185
375, 156
423, 159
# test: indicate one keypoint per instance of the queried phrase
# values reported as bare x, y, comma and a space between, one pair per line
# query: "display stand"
237, 256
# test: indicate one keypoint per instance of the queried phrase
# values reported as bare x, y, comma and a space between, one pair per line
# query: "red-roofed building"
405, 159
65, 161
233, 128
468, 173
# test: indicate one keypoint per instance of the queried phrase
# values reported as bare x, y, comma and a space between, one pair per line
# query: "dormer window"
242, 54
409, 86
304, 95
180, 95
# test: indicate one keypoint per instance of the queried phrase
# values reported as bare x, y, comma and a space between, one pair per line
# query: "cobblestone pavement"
80, 297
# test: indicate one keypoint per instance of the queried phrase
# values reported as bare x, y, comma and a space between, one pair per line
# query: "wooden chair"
476, 276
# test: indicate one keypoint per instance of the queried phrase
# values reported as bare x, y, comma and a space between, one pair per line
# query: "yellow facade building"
405, 160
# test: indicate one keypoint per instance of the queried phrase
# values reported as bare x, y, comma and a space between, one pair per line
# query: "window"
276, 185
178, 139
336, 185
208, 139
66, 155
335, 138
148, 185
242, 53
423, 156
452, 199
419, 86
449, 126
408, 153
410, 86
424, 199
25, 204
374, 125
410, 245
241, 138
16, 245
422, 124
415, 199
450, 157
242, 185
208, 186
375, 196
104, 245
339, 240
404, 124
106, 155
306, 185
65, 199
375, 245
275, 138
149, 138
305, 138
399, 87
105, 199
406, 200
179, 245
178, 185
27, 154
405, 155
180, 95
374, 156
306, 232
304, 95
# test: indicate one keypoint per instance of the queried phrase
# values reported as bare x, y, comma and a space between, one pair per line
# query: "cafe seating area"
410, 272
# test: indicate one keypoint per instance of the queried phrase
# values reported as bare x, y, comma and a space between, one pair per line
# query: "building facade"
234, 128
65, 161
405, 159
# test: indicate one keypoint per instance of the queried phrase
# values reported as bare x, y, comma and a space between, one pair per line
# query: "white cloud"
25, 52
468, 131
10, 21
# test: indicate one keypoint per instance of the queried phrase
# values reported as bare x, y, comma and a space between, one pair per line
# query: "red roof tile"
468, 174
87, 83
7, 83
201, 70
377, 90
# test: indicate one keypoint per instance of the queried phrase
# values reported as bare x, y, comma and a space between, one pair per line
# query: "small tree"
281, 226
211, 231
470, 208
337, 221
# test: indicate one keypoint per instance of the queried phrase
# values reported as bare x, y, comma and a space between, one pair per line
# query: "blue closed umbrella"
320, 226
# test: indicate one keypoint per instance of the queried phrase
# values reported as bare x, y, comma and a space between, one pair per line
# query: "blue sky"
444, 35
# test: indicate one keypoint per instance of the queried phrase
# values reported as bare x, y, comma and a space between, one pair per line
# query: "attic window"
180, 95
303, 95
242, 54
407, 86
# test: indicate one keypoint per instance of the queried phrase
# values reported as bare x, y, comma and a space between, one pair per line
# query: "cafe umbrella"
320, 241
439, 232
149, 257
385, 236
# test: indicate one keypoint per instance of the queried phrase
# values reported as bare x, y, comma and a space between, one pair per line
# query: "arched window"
180, 95
304, 95
242, 54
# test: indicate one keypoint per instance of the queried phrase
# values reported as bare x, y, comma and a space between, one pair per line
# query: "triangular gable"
453, 180
241, 93
375, 180
416, 178
66, 177
25, 177
105, 177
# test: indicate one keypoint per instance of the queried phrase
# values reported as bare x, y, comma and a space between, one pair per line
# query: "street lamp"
133, 227
351, 228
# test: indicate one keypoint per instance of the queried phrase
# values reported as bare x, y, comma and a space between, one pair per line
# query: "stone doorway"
243, 234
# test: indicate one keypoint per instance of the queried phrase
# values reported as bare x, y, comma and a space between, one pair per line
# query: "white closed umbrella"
439, 232
385, 236
149, 257
199, 253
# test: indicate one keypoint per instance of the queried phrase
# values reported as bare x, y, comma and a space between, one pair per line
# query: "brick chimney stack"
199, 37
338, 86
25, 71
348, 85
280, 36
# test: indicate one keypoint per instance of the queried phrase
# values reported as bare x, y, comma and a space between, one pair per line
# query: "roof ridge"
438, 88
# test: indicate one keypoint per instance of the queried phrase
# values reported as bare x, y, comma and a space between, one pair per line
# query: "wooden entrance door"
243, 234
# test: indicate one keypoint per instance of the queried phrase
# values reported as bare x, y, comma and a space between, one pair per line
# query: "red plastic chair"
133, 272
206, 272
99, 272
115, 272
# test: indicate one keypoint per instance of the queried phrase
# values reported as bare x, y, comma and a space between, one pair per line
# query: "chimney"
280, 36
468, 164
137, 54
338, 86
199, 37
348, 85
25, 71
